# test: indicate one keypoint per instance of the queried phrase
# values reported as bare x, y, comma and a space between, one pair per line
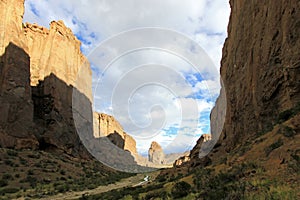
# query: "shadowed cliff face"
260, 69
40, 72
53, 116
260, 66
15, 99
38, 116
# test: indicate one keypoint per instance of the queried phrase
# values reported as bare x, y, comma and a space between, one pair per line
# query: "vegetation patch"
273, 146
287, 114
181, 189
287, 131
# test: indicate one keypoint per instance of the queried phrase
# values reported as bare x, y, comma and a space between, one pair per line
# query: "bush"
30, 172
181, 189
285, 115
161, 179
8, 190
7, 177
273, 146
31, 180
62, 172
161, 195
23, 161
35, 156
62, 188
11, 152
3, 183
288, 131
9, 162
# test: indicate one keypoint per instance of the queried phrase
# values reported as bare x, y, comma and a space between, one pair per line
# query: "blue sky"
173, 106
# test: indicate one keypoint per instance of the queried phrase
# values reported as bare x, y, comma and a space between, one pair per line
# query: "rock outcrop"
156, 154
107, 126
181, 160
42, 71
194, 159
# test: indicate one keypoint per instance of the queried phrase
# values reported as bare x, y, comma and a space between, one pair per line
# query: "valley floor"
127, 182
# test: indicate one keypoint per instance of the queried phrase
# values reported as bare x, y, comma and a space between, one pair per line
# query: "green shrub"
287, 131
30, 172
161, 179
23, 161
9, 162
8, 190
11, 152
287, 114
7, 176
31, 180
273, 146
181, 189
3, 182
63, 188
35, 156
62, 172
157, 194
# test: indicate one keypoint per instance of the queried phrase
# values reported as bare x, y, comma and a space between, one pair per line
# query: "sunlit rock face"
41, 71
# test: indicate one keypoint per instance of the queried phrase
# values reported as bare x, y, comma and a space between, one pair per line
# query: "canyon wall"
42, 71
260, 70
260, 67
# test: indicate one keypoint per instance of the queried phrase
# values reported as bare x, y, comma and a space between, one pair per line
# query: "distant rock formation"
107, 126
156, 154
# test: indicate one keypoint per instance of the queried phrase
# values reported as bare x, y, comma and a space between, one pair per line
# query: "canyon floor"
123, 183
266, 167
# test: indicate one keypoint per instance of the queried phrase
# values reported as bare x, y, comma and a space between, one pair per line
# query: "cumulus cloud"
163, 94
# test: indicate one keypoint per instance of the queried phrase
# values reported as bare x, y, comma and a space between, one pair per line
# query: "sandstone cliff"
106, 125
57, 51
38, 87
260, 69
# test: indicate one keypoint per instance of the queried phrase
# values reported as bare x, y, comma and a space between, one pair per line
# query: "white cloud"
149, 91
